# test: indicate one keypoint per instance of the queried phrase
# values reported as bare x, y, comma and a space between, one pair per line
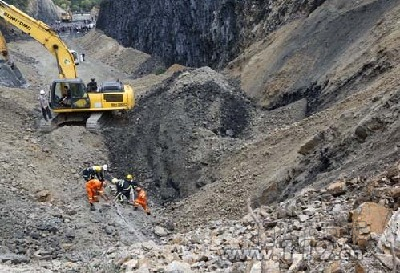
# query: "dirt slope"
44, 216
341, 47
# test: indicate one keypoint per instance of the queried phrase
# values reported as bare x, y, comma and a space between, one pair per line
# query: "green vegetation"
77, 5
160, 70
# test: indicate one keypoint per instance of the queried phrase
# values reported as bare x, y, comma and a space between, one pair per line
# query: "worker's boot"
148, 213
93, 207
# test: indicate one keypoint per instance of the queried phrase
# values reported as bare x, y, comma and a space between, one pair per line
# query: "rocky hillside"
349, 226
340, 49
44, 10
196, 33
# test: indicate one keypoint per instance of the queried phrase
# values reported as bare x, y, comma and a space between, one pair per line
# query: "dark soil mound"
179, 130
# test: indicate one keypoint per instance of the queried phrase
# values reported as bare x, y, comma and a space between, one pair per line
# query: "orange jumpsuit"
94, 187
141, 200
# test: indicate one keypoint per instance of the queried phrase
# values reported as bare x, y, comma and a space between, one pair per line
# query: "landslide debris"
347, 226
179, 129
182, 129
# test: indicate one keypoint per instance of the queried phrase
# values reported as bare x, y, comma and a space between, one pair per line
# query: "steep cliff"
196, 33
44, 10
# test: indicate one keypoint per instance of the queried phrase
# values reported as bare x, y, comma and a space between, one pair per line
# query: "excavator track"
63, 119
93, 121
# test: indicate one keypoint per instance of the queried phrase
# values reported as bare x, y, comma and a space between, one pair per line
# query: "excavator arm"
44, 35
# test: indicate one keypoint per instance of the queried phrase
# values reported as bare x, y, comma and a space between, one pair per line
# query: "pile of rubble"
349, 226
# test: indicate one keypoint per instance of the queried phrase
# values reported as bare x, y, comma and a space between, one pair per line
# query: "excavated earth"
267, 166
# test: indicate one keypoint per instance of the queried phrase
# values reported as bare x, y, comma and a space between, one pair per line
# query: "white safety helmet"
114, 180
104, 167
42, 92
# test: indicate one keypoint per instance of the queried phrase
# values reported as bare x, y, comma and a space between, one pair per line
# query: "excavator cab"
67, 94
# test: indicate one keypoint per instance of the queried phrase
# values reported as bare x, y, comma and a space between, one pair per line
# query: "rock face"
196, 33
44, 10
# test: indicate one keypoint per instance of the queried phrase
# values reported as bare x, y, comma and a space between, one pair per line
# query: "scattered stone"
386, 260
160, 231
303, 218
14, 258
334, 267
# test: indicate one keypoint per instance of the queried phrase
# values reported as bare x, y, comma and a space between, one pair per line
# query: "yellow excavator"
70, 98
66, 16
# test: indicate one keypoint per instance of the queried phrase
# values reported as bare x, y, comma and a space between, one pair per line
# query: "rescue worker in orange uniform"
141, 199
94, 189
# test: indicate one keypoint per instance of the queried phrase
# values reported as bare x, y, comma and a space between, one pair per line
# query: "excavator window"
69, 95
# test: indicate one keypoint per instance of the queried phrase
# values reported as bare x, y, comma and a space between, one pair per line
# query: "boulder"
359, 267
272, 266
297, 263
334, 267
311, 144
14, 258
303, 218
160, 231
361, 132
368, 217
256, 267
178, 267
337, 188
131, 265
43, 196
391, 234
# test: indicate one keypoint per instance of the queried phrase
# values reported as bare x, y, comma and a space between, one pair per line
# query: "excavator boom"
44, 35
